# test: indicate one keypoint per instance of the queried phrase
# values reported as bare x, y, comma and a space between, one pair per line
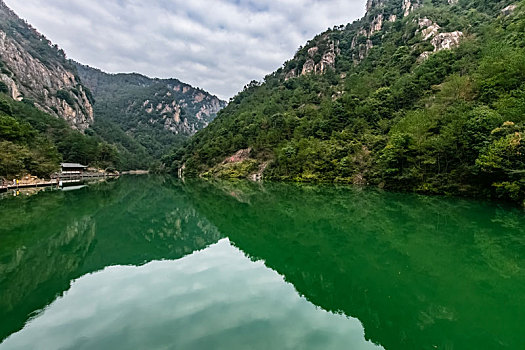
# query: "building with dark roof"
72, 168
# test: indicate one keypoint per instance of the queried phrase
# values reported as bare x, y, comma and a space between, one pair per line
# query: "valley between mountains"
422, 96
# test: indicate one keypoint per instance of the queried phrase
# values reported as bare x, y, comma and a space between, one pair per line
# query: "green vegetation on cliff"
398, 107
34, 142
156, 114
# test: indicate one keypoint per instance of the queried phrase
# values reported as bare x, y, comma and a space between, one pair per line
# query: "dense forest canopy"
34, 142
391, 111
155, 114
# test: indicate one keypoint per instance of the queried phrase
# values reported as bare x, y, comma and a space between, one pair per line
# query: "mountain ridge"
198, 104
157, 113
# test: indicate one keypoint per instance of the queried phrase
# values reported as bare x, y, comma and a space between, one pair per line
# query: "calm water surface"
155, 263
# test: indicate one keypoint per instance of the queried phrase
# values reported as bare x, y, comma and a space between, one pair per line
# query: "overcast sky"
218, 45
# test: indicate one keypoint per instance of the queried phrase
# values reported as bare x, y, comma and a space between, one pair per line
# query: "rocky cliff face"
324, 50
134, 100
379, 12
440, 40
181, 108
318, 56
36, 71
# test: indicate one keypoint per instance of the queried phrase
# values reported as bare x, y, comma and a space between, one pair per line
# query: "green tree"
503, 161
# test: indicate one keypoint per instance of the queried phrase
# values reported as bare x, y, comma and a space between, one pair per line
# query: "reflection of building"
72, 168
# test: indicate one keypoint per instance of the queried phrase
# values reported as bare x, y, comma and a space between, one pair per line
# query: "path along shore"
57, 180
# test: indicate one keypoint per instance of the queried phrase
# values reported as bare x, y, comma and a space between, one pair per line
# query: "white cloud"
218, 45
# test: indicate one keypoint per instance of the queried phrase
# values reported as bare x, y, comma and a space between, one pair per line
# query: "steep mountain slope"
34, 142
50, 117
158, 113
422, 96
134, 121
35, 70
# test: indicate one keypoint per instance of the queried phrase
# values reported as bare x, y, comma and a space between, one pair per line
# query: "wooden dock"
39, 184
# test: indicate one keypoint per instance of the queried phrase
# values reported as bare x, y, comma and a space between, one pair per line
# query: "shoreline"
135, 172
57, 181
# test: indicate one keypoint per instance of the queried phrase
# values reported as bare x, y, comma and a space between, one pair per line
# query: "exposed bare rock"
444, 41
370, 4
199, 97
377, 24
239, 156
424, 56
430, 32
327, 60
509, 10
424, 23
171, 114
428, 28
37, 71
440, 41
409, 6
291, 74
366, 48
11, 84
172, 122
362, 32
29, 78
406, 7
167, 109
378, 12
376, 16
363, 51
308, 66
312, 51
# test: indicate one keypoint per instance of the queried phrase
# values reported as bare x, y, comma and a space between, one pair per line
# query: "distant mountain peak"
155, 103
158, 113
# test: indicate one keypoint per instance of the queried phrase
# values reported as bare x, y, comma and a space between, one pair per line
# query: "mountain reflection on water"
417, 272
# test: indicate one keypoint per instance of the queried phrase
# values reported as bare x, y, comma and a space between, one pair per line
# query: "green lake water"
156, 263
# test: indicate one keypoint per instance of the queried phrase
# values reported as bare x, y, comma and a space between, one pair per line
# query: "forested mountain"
424, 96
48, 113
157, 113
